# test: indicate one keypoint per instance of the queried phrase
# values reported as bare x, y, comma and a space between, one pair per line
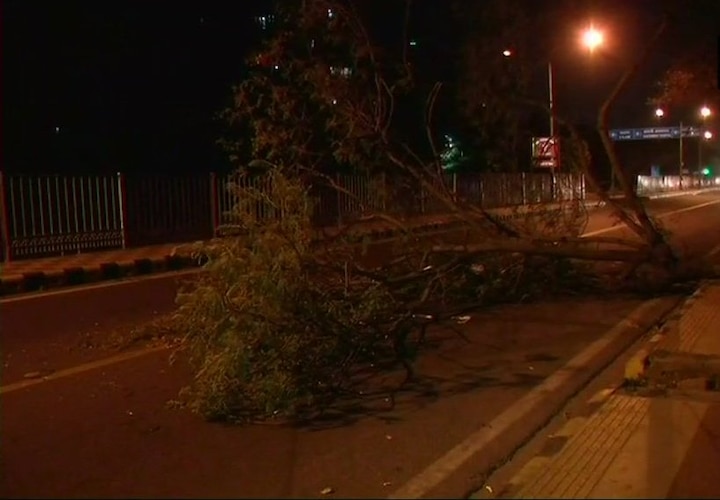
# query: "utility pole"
682, 163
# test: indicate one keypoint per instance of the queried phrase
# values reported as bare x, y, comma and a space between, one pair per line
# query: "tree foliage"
688, 84
282, 322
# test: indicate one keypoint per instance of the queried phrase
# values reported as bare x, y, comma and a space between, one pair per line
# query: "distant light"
276, 67
705, 171
413, 43
592, 38
705, 112
708, 135
659, 113
57, 130
334, 101
507, 52
330, 13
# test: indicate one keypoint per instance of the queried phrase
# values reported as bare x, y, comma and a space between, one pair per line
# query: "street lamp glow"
705, 112
592, 38
707, 135
659, 113
507, 52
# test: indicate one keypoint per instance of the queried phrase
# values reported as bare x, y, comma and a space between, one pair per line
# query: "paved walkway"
662, 441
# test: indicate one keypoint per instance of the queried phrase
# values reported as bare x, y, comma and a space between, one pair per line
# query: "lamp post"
704, 113
707, 135
592, 39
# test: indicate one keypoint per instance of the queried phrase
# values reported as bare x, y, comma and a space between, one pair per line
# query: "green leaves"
270, 332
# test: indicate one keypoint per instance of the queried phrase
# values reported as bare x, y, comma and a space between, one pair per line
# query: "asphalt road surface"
107, 430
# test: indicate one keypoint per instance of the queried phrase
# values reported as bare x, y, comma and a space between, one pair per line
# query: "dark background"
136, 85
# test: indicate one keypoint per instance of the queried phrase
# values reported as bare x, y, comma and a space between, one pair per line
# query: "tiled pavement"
657, 443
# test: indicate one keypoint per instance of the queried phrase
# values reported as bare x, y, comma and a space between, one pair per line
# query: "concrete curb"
13, 284
82, 275
638, 366
496, 442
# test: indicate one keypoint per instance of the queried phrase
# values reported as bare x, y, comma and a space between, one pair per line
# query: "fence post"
454, 184
481, 191
214, 206
4, 222
122, 205
385, 191
523, 188
339, 199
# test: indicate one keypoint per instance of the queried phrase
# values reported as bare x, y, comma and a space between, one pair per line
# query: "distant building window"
264, 21
342, 71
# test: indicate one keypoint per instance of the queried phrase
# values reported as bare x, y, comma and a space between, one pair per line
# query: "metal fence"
647, 184
50, 215
58, 215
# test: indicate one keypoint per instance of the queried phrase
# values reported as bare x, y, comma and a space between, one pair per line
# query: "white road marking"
714, 251
22, 384
441, 469
661, 216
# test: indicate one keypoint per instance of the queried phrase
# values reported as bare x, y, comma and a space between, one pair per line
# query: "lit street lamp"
704, 113
707, 135
592, 39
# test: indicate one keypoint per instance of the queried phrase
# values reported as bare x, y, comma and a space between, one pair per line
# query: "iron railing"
647, 184
58, 215
50, 215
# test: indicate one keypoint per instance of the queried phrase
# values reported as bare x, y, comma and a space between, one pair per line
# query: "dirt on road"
110, 432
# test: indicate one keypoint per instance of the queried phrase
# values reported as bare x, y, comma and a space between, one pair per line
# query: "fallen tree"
282, 324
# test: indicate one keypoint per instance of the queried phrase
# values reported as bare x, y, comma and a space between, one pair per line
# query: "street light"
592, 39
704, 113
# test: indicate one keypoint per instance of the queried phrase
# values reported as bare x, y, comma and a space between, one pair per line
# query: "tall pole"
682, 132
551, 106
700, 153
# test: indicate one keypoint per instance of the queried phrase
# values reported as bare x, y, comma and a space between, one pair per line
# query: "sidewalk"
661, 440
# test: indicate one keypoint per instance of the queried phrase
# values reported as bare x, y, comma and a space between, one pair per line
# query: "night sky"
134, 85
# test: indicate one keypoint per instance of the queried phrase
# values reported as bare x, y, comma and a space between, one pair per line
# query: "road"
107, 431
673, 451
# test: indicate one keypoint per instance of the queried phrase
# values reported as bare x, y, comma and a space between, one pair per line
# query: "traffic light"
705, 171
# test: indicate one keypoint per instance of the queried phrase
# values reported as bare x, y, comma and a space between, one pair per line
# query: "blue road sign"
638, 134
